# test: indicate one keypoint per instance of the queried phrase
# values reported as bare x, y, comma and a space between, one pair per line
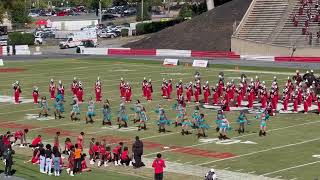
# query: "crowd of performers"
298, 90
70, 156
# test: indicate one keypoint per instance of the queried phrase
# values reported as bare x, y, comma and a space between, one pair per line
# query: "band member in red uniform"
215, 98
17, 91
122, 88
80, 92
220, 86
164, 88
250, 96
273, 100
300, 98
128, 92
256, 86
233, 89
295, 102
60, 88
149, 90
179, 88
52, 89
264, 98
98, 90
74, 86
206, 93
144, 87
297, 78
169, 88
239, 95
225, 103
22, 136
309, 97
305, 104
197, 91
286, 98
35, 95
189, 92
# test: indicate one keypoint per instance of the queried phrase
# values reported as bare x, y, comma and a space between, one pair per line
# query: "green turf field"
286, 152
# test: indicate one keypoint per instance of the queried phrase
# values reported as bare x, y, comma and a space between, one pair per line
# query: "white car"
33, 15
107, 34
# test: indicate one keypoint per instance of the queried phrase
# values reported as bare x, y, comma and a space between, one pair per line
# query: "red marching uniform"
35, 95
17, 92
226, 102
189, 92
149, 91
220, 87
80, 94
264, 98
286, 101
206, 93
318, 100
295, 103
239, 96
52, 89
144, 88
250, 97
305, 105
98, 91
80, 141
179, 89
122, 88
74, 87
169, 89
128, 93
197, 91
164, 89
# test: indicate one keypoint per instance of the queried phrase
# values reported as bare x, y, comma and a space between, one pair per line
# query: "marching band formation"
297, 91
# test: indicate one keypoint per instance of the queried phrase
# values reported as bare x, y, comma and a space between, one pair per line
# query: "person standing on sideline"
49, 156
7, 156
158, 165
42, 154
56, 160
211, 175
137, 149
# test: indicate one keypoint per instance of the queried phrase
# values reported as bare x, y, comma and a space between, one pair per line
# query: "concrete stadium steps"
262, 20
291, 35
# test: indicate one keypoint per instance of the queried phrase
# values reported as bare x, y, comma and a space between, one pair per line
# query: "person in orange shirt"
77, 159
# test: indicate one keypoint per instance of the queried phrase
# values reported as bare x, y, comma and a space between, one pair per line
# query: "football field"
288, 151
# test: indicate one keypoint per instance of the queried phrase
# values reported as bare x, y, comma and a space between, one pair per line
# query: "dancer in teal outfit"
106, 111
242, 120
122, 116
58, 105
224, 125
201, 126
75, 109
143, 119
163, 121
263, 123
44, 108
220, 117
138, 107
91, 111
195, 116
181, 115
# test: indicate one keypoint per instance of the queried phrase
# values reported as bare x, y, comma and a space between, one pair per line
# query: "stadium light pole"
141, 10
100, 12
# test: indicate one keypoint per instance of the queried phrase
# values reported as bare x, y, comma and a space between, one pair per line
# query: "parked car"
33, 14
3, 40
107, 34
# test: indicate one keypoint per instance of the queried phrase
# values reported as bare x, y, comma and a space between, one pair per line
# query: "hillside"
211, 30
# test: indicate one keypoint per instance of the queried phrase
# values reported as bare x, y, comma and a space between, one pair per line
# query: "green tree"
18, 13
2, 13
146, 11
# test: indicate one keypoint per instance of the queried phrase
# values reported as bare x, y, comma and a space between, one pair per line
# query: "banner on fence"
170, 62
200, 63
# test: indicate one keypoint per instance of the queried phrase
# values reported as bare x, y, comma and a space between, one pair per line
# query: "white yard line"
261, 151
289, 168
200, 144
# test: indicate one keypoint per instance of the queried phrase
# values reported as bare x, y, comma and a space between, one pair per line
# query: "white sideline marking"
251, 172
316, 155
261, 151
293, 167
227, 168
199, 144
